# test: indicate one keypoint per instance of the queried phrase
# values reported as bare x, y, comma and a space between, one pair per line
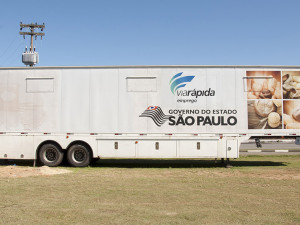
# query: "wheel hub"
51, 155
79, 155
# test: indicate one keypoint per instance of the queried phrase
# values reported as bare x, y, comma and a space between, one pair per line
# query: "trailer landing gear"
226, 164
257, 142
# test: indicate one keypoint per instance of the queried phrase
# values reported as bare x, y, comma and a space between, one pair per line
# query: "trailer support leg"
222, 160
227, 164
34, 162
257, 142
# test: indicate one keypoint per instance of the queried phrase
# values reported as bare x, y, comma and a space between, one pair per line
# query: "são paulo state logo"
156, 114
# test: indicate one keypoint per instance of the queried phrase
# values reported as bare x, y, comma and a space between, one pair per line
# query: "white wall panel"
117, 148
75, 104
156, 149
104, 93
131, 104
18, 105
198, 148
16, 147
5, 96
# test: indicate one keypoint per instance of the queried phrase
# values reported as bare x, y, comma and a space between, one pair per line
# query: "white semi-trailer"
143, 111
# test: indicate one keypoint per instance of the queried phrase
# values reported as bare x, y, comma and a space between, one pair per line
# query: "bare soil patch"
17, 171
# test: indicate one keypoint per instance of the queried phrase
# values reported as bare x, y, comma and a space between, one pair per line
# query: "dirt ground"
27, 171
21, 171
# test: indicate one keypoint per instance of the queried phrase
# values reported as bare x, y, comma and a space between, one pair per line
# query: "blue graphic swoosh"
177, 75
179, 86
179, 81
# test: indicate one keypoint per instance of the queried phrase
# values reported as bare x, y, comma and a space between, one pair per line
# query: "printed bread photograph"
291, 114
291, 84
265, 114
264, 85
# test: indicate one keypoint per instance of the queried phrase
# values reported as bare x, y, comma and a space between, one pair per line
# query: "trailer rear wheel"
79, 155
51, 155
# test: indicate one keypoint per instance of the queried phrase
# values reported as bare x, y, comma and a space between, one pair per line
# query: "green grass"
257, 190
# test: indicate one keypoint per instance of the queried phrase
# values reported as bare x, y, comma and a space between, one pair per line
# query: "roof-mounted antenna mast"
31, 58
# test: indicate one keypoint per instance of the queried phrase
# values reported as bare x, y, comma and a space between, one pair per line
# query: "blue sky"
165, 32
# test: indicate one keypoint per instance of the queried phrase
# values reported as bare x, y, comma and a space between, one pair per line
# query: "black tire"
51, 155
79, 155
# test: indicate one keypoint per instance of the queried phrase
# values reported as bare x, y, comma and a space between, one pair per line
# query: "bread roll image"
297, 86
293, 126
278, 86
251, 95
265, 84
296, 114
274, 119
284, 92
278, 103
257, 85
285, 77
277, 94
287, 119
294, 94
289, 107
291, 85
265, 94
256, 94
279, 110
272, 85
296, 78
264, 107
288, 86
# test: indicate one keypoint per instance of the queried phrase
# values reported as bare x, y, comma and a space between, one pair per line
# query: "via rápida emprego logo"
156, 114
178, 85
